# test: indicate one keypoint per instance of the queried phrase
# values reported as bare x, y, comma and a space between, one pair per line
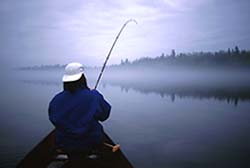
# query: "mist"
226, 84
178, 81
178, 108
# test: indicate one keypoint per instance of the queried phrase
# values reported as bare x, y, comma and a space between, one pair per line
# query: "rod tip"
134, 21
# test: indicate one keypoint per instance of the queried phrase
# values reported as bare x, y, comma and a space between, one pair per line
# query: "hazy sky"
60, 31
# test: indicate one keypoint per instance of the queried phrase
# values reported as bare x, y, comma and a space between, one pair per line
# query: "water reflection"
41, 82
229, 94
232, 94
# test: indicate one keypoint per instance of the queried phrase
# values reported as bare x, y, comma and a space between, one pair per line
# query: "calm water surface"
153, 129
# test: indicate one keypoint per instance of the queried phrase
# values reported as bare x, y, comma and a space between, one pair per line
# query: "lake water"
156, 127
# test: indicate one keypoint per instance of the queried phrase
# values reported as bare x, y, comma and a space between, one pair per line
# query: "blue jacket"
76, 117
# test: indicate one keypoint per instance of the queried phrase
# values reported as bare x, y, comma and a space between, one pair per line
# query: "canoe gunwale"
43, 154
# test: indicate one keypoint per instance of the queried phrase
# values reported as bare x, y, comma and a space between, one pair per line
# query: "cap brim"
71, 78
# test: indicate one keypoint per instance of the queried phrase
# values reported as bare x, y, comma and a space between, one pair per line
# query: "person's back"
76, 112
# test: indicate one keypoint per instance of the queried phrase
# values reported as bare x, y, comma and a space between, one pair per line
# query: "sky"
61, 31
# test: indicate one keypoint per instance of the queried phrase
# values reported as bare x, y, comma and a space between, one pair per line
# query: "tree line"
224, 58
231, 58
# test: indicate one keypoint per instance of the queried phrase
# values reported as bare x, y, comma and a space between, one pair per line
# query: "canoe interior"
42, 155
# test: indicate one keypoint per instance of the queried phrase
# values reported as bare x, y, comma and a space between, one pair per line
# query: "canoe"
43, 156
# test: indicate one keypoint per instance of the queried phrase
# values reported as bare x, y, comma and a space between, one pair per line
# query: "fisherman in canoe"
76, 113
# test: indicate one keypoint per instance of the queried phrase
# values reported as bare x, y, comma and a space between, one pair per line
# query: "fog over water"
220, 84
175, 118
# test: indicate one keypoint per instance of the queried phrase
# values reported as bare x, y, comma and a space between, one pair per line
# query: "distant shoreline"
232, 58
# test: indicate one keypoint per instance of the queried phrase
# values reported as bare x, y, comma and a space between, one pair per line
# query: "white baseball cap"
73, 72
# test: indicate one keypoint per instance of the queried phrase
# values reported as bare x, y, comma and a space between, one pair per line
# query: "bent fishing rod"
110, 51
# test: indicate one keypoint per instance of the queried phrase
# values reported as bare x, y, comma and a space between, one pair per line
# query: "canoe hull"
42, 155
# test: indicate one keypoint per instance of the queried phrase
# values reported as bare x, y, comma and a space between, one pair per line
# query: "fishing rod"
107, 58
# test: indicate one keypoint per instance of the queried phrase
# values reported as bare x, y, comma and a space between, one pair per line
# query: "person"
76, 113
